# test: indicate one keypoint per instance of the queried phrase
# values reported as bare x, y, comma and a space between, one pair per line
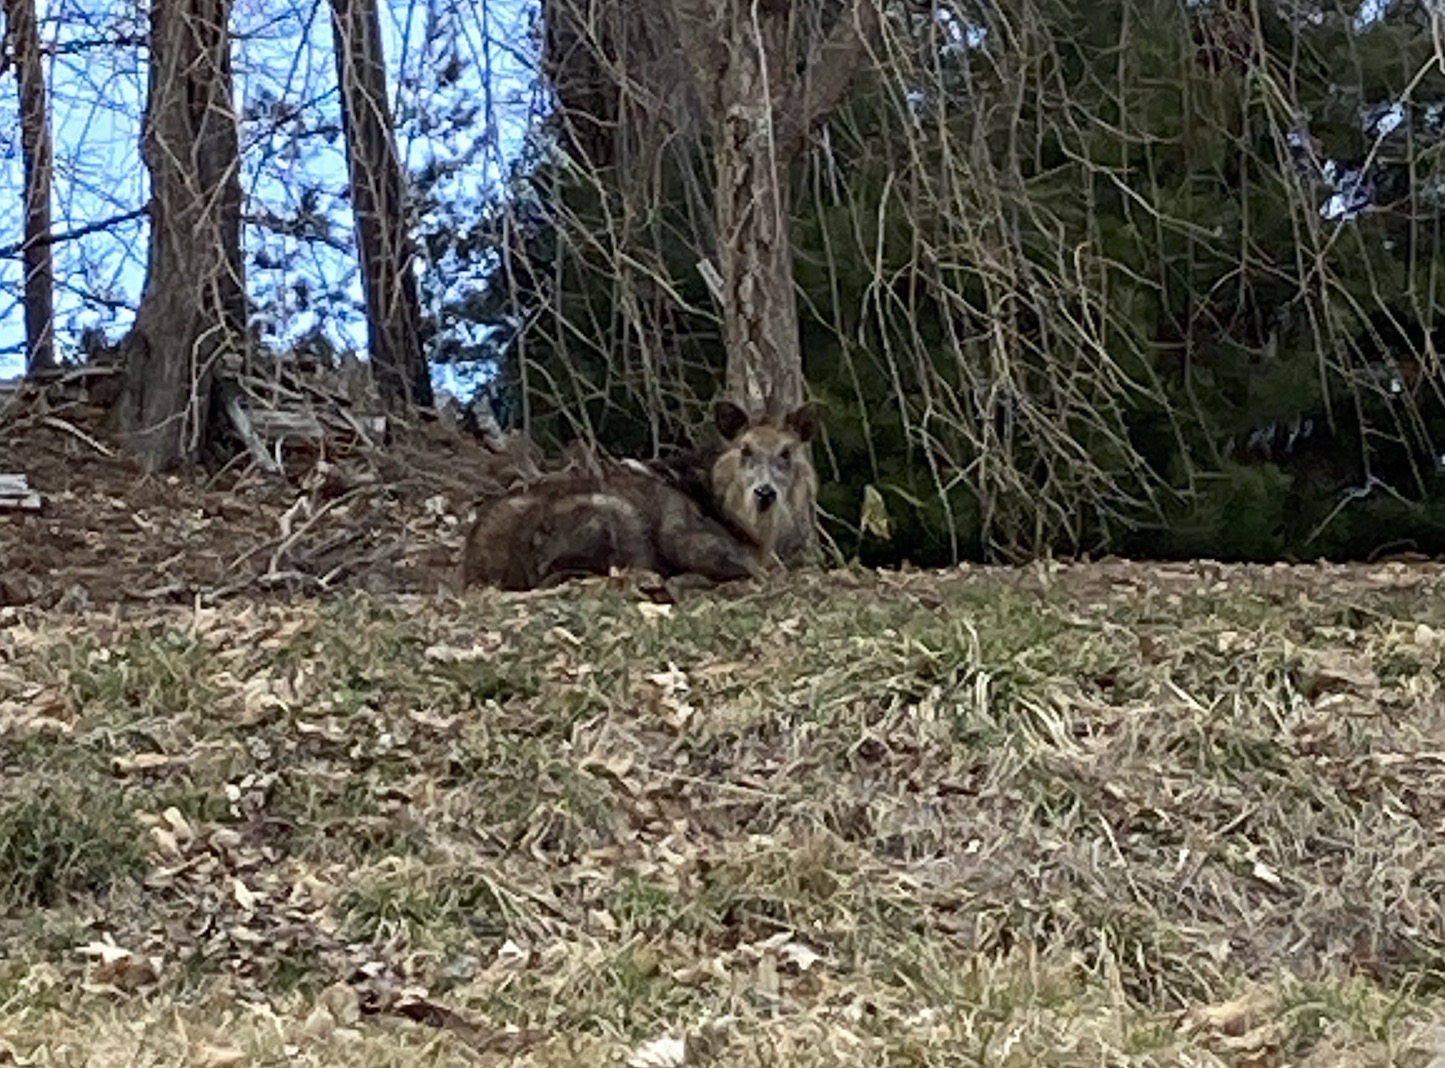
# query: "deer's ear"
731, 420
805, 421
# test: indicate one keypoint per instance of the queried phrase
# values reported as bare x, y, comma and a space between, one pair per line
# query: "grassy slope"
1110, 815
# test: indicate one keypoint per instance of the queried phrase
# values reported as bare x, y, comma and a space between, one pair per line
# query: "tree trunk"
752, 204
378, 202
23, 32
763, 111
193, 308
574, 44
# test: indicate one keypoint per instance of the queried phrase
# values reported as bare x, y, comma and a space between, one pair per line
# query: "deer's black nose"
767, 496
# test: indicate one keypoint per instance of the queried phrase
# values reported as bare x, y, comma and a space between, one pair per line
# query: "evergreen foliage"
1125, 276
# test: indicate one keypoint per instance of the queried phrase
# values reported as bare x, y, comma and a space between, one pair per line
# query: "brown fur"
565, 527
721, 521
763, 480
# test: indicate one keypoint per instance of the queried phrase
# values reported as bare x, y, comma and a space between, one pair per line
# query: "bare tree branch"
8, 252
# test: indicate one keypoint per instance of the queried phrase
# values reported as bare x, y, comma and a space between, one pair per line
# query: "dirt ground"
343, 517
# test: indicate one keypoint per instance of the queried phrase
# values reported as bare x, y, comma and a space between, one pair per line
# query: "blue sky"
96, 99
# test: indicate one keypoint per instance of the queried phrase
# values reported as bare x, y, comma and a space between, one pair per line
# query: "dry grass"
1094, 815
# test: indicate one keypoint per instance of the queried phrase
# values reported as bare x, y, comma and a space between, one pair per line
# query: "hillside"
1096, 814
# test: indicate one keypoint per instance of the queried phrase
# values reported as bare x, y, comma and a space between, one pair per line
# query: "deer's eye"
747, 453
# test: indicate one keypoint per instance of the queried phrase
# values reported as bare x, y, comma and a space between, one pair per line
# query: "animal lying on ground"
719, 521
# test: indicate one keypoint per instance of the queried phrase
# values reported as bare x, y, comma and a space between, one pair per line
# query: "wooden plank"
16, 494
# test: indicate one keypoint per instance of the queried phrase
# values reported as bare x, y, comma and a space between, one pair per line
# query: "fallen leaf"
1237, 1017
664, 1052
208, 1056
139, 762
1265, 874
874, 517
243, 895
119, 967
1333, 673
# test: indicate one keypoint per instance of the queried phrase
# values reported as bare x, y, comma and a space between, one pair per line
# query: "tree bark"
23, 33
378, 202
192, 312
753, 204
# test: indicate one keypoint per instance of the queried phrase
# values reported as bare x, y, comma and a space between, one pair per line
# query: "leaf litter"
1109, 813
